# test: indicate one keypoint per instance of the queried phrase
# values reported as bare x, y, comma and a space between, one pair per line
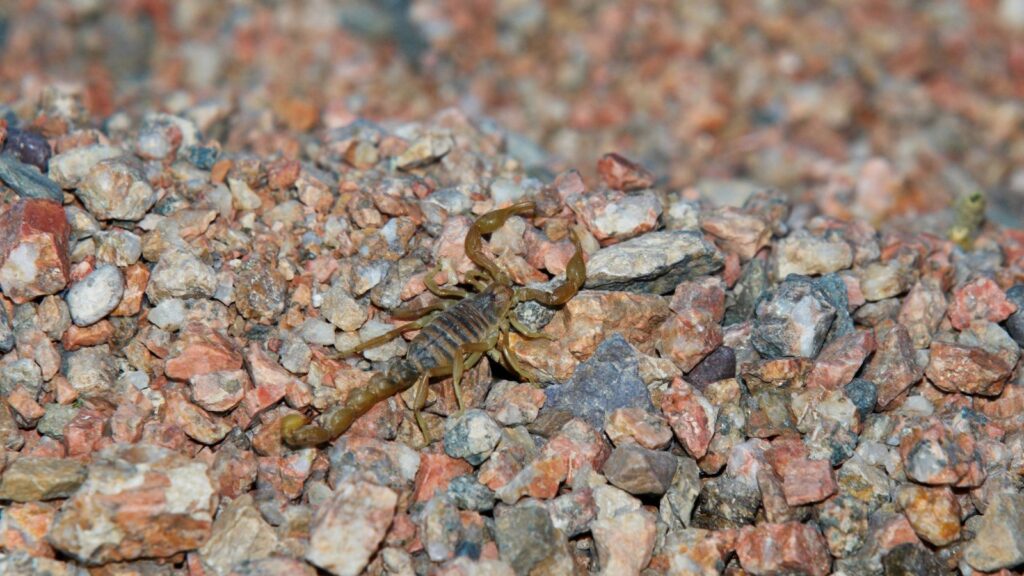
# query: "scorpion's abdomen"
469, 321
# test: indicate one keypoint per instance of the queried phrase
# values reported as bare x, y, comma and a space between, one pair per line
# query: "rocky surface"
745, 384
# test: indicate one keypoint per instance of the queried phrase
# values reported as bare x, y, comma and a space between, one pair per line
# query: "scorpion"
454, 335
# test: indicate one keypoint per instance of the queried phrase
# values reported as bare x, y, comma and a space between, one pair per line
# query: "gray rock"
10, 435
741, 301
239, 533
471, 435
318, 332
116, 190
23, 373
55, 419
35, 478
525, 537
296, 356
68, 169
999, 541
118, 246
676, 507
653, 263
342, 310
19, 562
439, 528
638, 470
27, 181
96, 295
426, 150
7, 340
168, 315
807, 255
608, 380
179, 274
469, 494
349, 527
793, 321
91, 371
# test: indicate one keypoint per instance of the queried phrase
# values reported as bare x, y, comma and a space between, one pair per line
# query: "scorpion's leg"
525, 330
512, 360
392, 334
419, 400
486, 224
438, 290
295, 431
460, 363
575, 276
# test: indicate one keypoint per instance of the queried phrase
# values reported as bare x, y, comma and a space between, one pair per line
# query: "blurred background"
878, 109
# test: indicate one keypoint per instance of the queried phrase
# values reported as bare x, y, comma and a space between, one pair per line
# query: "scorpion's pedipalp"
392, 334
415, 313
485, 225
443, 292
526, 331
575, 277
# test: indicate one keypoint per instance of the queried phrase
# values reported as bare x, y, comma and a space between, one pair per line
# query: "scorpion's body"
452, 337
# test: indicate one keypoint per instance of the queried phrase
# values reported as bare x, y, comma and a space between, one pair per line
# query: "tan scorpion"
454, 335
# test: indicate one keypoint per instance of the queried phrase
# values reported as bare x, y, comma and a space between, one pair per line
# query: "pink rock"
203, 351
196, 422
636, 425
286, 474
691, 416
147, 501
736, 231
840, 359
33, 343
512, 403
82, 435
613, 216
706, 295
934, 513
24, 525
688, 337
979, 299
270, 381
575, 447
436, 471
622, 174
219, 391
938, 456
349, 527
24, 403
785, 451
34, 236
979, 362
893, 368
808, 481
783, 548
922, 311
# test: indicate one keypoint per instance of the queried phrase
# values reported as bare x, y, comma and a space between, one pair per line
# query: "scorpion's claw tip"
290, 424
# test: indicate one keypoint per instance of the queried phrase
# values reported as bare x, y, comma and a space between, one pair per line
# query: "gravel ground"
797, 349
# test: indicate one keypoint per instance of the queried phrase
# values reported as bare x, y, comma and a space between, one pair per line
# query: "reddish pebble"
979, 299
691, 416
807, 482
783, 548
34, 236
622, 174
435, 473
205, 351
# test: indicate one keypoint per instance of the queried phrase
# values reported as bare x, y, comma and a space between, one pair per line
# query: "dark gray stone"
653, 263
1015, 323
28, 147
913, 560
27, 181
741, 301
470, 494
525, 537
863, 393
719, 365
6, 332
608, 380
639, 470
725, 502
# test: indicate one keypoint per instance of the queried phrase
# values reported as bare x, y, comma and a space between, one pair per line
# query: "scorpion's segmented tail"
298, 432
